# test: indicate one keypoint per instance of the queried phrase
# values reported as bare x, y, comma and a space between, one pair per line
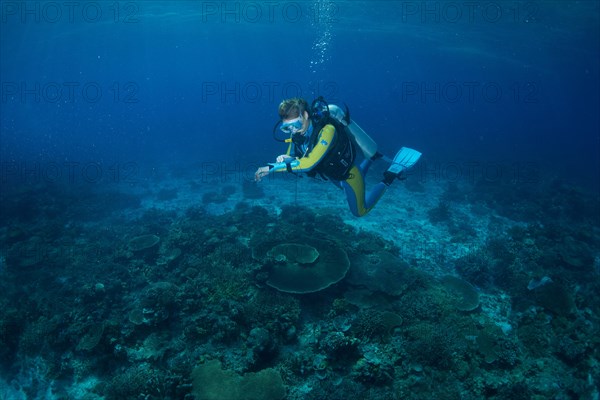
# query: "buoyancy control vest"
340, 157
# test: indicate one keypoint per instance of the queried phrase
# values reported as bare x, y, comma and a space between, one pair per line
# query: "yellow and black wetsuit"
353, 182
310, 160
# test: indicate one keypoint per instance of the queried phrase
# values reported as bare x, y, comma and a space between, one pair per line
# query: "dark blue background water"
156, 83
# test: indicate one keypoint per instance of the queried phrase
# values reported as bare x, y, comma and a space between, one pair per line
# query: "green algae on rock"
465, 295
556, 298
383, 272
140, 244
92, 337
575, 254
136, 316
210, 382
306, 267
294, 252
169, 257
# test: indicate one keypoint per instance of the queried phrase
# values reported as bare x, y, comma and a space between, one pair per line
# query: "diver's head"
294, 116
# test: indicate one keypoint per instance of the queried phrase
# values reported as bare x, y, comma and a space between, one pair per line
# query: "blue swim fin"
405, 159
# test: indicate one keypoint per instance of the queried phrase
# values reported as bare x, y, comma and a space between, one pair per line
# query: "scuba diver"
323, 142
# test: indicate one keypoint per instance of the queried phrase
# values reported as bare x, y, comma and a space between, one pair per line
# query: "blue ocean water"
159, 82
139, 259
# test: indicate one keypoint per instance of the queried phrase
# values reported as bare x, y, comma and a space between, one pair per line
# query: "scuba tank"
364, 141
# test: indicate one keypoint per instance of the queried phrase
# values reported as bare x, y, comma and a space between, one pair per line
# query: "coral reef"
144, 243
466, 297
210, 382
264, 301
306, 266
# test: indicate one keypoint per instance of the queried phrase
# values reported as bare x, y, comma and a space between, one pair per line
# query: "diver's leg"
375, 194
364, 166
337, 183
354, 187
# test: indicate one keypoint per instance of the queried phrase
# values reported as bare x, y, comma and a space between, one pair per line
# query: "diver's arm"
287, 157
281, 164
312, 159
305, 163
284, 158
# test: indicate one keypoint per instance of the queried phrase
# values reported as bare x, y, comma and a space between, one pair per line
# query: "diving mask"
292, 126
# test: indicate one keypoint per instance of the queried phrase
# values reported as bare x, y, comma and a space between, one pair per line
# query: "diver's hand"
262, 171
284, 158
